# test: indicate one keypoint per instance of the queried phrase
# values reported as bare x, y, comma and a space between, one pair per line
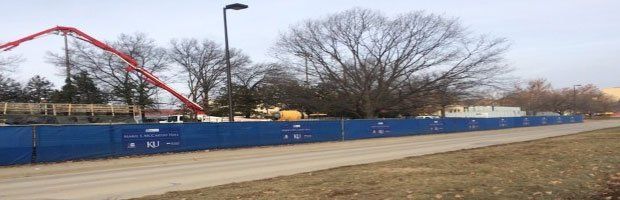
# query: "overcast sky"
567, 42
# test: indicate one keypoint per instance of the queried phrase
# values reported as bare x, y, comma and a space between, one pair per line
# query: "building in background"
484, 111
613, 92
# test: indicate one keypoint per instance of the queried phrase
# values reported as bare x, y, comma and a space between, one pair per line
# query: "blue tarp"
60, 143
71, 142
15, 145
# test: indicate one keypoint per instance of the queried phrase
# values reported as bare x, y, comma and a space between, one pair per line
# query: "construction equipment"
132, 64
289, 115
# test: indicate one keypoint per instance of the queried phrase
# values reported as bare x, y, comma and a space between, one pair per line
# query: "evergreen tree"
38, 88
86, 90
245, 100
67, 94
10, 90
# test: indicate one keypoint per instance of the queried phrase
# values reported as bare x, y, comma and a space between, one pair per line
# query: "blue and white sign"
526, 122
436, 126
151, 139
295, 132
503, 123
473, 124
379, 128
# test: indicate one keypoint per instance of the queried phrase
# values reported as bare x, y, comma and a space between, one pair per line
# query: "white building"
485, 112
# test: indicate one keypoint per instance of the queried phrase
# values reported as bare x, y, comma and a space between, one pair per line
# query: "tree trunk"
369, 110
205, 103
443, 111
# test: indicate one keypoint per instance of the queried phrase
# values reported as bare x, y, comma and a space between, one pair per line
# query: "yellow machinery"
288, 115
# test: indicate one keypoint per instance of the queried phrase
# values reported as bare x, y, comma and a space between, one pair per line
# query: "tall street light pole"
306, 56
575, 98
235, 6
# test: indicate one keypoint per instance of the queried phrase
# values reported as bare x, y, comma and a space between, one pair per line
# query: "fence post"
342, 129
112, 143
33, 158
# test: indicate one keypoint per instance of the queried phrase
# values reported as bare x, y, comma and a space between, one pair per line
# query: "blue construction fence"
53, 143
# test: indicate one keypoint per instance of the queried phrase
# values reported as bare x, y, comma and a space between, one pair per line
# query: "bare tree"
110, 72
7, 62
538, 95
532, 97
203, 66
382, 62
589, 99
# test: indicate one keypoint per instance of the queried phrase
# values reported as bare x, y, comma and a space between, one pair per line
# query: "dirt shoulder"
581, 166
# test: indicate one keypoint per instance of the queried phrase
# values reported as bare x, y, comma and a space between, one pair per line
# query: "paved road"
139, 176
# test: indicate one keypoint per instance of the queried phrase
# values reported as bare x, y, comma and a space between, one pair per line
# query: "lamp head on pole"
236, 6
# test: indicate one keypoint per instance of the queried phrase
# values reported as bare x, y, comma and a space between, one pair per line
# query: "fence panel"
309, 131
60, 143
359, 129
71, 142
489, 123
199, 136
239, 134
15, 145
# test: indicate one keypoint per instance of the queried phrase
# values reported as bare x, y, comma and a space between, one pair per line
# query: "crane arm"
132, 64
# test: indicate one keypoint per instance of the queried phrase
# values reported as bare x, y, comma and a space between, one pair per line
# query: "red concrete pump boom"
132, 64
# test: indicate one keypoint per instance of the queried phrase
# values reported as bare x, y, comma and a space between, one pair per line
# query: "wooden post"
30, 108
69, 111
92, 110
45, 107
139, 110
112, 109
54, 109
5, 107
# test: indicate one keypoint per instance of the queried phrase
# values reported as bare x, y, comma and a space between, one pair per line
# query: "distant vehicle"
185, 118
175, 119
427, 117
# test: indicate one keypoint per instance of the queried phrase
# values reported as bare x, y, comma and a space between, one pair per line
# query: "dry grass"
581, 166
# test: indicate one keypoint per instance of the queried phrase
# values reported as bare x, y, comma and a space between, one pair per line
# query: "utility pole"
306, 64
306, 57
575, 98
67, 60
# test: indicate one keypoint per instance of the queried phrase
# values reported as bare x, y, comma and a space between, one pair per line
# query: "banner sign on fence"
473, 124
436, 126
295, 132
150, 139
503, 123
379, 128
526, 121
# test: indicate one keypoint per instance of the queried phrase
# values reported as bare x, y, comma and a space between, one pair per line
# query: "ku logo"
152, 144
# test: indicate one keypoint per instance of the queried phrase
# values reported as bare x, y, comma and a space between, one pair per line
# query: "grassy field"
581, 166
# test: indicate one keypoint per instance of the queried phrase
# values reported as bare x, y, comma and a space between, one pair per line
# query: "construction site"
345, 103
